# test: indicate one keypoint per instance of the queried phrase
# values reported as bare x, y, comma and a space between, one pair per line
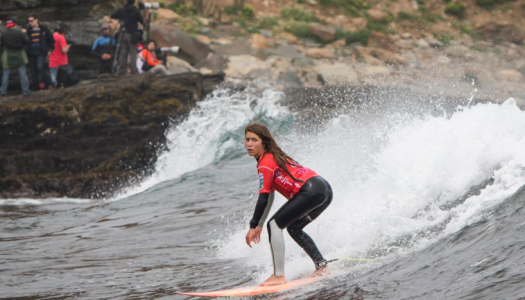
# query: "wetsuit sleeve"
267, 209
260, 208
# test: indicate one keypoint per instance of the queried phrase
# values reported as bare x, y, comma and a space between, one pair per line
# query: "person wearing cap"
104, 48
41, 43
12, 46
130, 16
58, 57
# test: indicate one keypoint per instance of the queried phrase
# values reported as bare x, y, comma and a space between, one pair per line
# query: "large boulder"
502, 31
326, 33
337, 74
216, 63
191, 49
176, 66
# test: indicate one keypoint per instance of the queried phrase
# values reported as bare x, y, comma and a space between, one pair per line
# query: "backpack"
67, 76
142, 65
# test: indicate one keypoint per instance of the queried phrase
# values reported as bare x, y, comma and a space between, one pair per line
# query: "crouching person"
147, 60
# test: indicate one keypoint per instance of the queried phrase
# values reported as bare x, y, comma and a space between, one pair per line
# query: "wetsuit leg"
303, 208
304, 240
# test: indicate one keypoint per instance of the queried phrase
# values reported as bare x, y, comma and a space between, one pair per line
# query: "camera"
149, 5
174, 49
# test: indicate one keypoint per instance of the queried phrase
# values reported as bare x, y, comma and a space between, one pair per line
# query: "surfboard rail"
255, 290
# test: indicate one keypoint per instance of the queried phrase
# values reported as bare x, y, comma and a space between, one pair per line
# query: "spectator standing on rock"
130, 16
58, 57
41, 43
147, 60
12, 46
104, 49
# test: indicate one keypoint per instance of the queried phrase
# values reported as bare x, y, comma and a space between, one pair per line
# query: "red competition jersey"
272, 177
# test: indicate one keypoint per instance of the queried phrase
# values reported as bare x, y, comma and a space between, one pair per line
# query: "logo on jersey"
261, 180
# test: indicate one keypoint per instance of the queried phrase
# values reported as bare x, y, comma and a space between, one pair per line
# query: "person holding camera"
12, 46
147, 60
41, 43
104, 49
130, 36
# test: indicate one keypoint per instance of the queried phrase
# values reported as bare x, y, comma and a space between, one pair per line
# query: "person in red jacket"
147, 60
308, 196
58, 57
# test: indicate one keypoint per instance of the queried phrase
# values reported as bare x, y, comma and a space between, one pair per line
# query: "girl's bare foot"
321, 272
274, 280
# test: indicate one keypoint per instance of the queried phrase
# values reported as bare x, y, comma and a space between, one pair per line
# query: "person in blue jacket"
104, 49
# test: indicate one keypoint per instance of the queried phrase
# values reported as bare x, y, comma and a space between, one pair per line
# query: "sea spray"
390, 177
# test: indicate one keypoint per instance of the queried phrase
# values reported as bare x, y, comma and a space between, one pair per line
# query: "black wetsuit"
305, 206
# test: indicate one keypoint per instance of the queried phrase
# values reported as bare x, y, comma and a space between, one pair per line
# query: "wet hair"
151, 41
33, 15
270, 146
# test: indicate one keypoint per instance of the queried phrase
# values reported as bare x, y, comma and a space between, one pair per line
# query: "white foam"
391, 175
29, 201
209, 132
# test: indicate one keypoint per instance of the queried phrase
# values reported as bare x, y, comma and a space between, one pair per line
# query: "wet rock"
290, 79
92, 139
261, 74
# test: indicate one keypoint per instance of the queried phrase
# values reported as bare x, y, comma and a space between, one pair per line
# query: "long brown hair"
270, 146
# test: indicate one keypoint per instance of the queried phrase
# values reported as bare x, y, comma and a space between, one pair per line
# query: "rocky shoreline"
90, 140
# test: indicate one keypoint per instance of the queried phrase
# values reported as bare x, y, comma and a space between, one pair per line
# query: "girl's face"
151, 46
253, 144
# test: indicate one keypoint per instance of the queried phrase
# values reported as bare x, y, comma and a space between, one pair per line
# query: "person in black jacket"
130, 16
41, 43
104, 49
12, 46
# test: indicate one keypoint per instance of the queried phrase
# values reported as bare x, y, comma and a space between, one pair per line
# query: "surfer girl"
308, 196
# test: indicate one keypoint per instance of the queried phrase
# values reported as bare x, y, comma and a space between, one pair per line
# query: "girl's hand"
253, 235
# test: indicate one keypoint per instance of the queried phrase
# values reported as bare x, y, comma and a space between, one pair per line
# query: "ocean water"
434, 201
